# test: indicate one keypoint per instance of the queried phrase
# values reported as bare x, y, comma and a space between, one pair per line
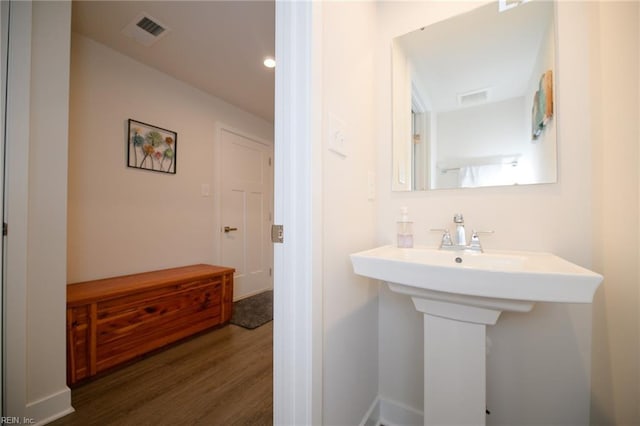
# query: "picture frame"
151, 147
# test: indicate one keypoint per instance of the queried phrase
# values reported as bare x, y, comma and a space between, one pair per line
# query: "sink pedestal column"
454, 362
455, 352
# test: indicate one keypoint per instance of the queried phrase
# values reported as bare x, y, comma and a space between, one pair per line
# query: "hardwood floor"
223, 377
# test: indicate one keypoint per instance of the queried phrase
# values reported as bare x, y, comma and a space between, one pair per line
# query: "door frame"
298, 330
218, 179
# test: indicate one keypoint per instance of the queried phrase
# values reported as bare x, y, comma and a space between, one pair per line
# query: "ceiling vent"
474, 97
150, 26
145, 29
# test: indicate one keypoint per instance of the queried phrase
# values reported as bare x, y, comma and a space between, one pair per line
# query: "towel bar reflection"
513, 163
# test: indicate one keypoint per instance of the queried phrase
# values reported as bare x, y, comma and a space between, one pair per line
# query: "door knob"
229, 229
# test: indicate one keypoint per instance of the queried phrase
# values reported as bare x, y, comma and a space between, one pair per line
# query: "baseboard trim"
372, 417
253, 293
50, 408
391, 413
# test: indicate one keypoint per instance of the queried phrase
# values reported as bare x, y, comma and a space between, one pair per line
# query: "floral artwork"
151, 148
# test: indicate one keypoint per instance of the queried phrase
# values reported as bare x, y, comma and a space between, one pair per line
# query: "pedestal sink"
460, 293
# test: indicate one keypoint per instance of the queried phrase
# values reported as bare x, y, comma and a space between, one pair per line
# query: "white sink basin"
526, 276
460, 294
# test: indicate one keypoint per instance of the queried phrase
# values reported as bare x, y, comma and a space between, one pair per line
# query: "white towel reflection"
487, 175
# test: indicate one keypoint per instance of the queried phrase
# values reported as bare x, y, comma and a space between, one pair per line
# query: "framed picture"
151, 147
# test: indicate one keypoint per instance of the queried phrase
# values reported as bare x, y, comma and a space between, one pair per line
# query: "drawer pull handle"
229, 229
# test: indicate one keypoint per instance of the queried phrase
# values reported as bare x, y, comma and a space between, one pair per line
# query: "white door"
246, 212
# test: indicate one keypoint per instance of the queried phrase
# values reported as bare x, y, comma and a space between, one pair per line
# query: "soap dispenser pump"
405, 229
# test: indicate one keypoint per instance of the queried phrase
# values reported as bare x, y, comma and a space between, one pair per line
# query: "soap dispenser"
405, 229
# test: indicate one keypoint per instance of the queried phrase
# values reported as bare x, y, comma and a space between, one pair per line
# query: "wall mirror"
473, 99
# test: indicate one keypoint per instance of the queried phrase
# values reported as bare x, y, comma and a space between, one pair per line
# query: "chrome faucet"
460, 240
461, 236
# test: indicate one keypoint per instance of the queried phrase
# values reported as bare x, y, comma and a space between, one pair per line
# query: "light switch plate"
205, 190
337, 135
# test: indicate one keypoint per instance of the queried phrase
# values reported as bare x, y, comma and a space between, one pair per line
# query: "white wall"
615, 101
467, 135
124, 220
539, 365
4, 42
488, 130
46, 355
350, 376
36, 191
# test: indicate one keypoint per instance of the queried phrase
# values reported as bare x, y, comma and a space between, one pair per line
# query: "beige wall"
46, 355
125, 220
539, 366
350, 369
614, 91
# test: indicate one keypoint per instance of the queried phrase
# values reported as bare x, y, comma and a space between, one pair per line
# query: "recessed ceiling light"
269, 62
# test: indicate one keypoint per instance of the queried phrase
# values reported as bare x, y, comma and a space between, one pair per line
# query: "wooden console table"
113, 320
